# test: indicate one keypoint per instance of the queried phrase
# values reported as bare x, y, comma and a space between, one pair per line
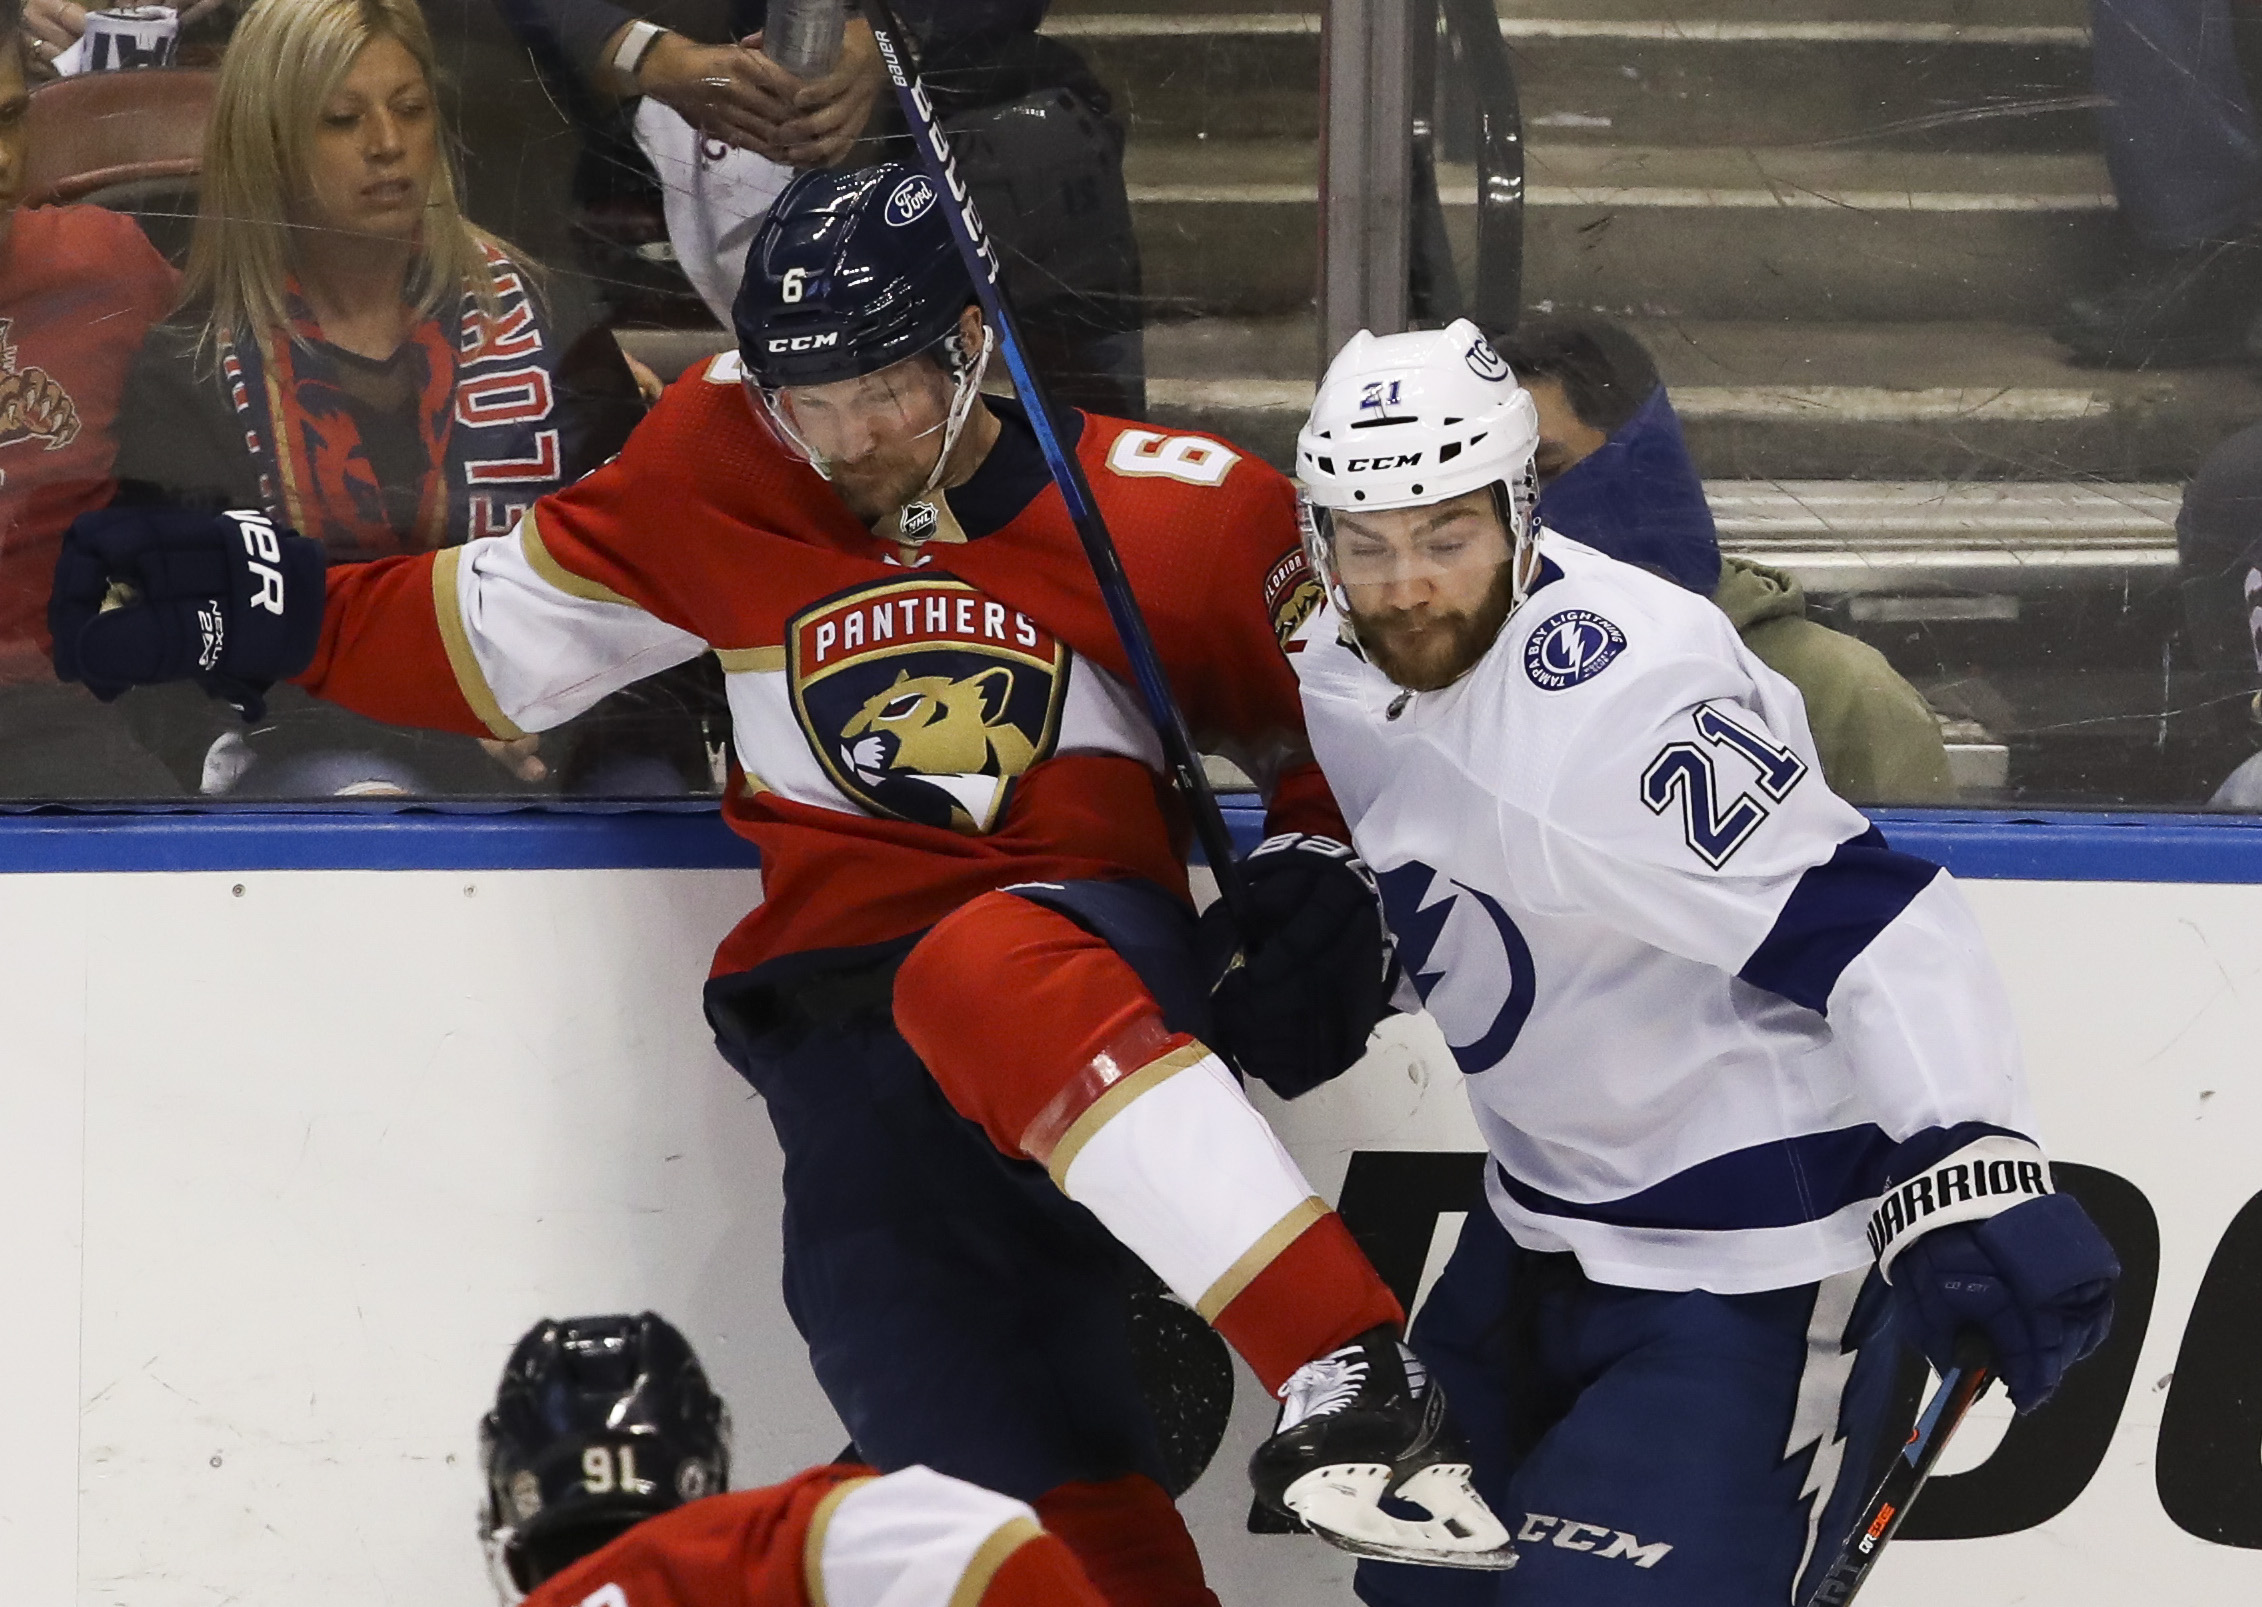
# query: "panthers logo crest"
1292, 595
925, 700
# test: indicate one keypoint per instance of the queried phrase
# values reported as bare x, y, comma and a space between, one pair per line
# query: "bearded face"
1428, 588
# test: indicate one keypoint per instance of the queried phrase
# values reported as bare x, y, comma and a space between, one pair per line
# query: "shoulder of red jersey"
1217, 486
703, 440
1164, 460
713, 388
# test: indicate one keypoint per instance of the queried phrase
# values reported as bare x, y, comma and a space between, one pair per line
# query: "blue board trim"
691, 837
1977, 845
2058, 846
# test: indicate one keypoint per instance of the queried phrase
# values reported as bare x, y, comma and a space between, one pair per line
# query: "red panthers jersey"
833, 1537
915, 721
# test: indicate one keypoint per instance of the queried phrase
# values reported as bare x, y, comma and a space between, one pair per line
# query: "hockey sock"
1039, 1031
1131, 1541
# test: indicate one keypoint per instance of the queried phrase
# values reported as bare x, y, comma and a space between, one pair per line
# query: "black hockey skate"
1365, 1423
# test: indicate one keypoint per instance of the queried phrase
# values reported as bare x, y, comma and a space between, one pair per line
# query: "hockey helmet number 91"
598, 1424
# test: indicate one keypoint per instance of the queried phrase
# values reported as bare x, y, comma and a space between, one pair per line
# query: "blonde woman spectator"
352, 355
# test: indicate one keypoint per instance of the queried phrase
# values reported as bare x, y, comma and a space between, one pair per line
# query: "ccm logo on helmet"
1404, 460
805, 343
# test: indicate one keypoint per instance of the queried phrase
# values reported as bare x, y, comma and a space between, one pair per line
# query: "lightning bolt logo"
1420, 908
1822, 1392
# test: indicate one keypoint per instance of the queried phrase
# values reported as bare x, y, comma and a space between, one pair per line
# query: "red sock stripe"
1319, 1293
1009, 1005
1142, 1041
1042, 1573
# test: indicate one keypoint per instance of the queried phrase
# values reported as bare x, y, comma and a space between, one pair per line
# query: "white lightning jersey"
1697, 1000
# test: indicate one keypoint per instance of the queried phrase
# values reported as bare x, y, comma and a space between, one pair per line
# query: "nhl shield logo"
926, 700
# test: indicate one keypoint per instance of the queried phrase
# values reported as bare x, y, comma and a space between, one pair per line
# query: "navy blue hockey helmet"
598, 1424
850, 272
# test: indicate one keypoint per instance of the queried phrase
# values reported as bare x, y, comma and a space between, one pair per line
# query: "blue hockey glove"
1313, 978
145, 595
1978, 1239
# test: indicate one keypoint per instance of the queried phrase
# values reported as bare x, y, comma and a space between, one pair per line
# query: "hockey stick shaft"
974, 246
1897, 1491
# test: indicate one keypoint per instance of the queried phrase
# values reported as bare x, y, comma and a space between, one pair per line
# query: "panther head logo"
925, 699
932, 725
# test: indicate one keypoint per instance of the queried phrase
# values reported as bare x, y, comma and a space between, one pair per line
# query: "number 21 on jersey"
1686, 773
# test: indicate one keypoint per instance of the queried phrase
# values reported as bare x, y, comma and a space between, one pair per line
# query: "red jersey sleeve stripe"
547, 566
982, 1567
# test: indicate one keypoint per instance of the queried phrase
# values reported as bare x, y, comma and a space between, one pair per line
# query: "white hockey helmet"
1402, 421
1405, 420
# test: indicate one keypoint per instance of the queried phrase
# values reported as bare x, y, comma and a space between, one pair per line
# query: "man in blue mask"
1615, 473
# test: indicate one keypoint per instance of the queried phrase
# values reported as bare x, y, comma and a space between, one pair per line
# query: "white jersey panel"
1582, 843
1930, 1020
548, 654
916, 1538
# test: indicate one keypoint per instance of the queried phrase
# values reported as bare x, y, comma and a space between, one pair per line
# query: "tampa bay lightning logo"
908, 202
1574, 646
1484, 362
1471, 966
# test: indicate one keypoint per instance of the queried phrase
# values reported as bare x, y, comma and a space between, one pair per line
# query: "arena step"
1230, 226
1899, 79
1762, 400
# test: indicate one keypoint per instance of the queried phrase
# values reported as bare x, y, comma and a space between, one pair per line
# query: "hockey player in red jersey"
604, 1457
970, 996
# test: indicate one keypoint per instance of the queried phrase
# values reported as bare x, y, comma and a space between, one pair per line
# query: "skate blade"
1342, 1505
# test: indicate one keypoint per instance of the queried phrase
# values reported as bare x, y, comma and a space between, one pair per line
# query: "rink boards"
306, 1117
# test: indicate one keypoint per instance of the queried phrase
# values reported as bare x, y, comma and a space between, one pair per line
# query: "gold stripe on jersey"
813, 1543
1103, 1110
471, 680
1257, 1257
751, 660
989, 1557
557, 574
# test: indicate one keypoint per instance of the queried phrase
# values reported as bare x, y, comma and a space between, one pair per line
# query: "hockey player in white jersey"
1748, 1078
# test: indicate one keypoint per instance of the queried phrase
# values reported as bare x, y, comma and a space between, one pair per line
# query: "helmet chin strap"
967, 385
1517, 505
496, 1543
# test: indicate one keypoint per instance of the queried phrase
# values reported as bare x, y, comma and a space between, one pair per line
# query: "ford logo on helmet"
909, 201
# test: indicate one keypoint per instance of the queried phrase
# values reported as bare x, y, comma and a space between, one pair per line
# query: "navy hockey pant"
1682, 1450
960, 1311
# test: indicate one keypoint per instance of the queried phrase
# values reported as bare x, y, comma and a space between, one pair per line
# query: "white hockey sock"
1179, 1166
